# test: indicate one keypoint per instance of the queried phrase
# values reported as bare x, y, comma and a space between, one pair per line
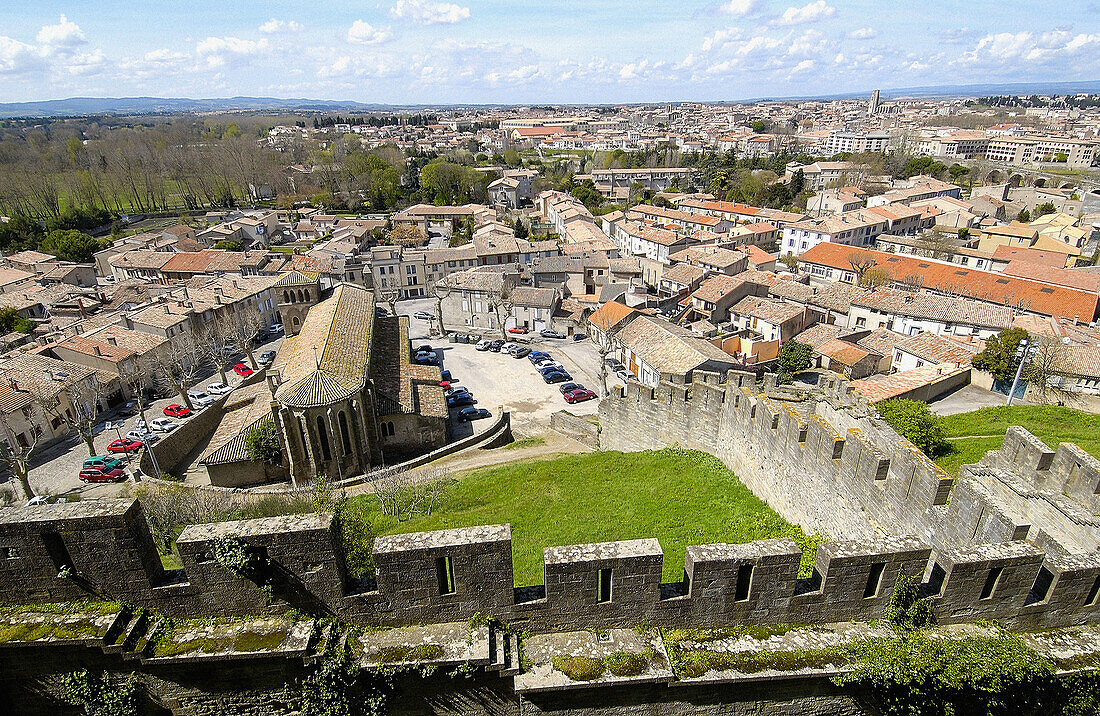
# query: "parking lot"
499, 380
56, 469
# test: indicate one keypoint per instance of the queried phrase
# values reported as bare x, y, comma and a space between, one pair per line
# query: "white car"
276, 328
483, 344
163, 425
200, 399
509, 347
423, 316
547, 364
625, 376
143, 435
218, 389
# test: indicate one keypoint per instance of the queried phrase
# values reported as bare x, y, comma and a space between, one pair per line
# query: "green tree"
999, 355
512, 158
798, 182
72, 245
1047, 207
521, 229
915, 422
1024, 216
228, 245
794, 357
262, 444
10, 320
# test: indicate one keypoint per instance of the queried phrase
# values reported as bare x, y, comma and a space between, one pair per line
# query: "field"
973, 434
679, 497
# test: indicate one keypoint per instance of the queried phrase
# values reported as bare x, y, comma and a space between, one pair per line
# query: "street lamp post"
1019, 370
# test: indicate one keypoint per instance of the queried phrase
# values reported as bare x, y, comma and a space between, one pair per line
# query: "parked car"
163, 425
424, 315
426, 359
459, 400
537, 356
467, 414
455, 390
102, 461
218, 389
566, 387
125, 445
521, 352
425, 349
519, 330
556, 377
276, 329
200, 399
625, 375
483, 345
508, 347
579, 336
267, 358
548, 365
175, 410
98, 474
496, 345
143, 435
445, 375
242, 370
579, 396
547, 333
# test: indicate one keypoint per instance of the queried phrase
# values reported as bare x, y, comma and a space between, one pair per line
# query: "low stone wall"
576, 427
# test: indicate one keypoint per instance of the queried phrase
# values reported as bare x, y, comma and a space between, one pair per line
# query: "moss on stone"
421, 652
624, 663
693, 663
579, 668
255, 641
36, 631
165, 648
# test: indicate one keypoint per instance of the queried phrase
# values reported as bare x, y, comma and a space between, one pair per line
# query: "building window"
345, 437
322, 437
744, 582
445, 573
603, 586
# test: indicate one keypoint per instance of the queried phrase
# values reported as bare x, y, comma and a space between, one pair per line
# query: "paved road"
965, 399
55, 470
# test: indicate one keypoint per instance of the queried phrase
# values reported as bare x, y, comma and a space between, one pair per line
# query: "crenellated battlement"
1015, 540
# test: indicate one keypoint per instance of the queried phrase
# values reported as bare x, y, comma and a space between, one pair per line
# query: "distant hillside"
78, 106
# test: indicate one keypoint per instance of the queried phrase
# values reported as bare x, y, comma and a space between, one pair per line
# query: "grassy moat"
680, 497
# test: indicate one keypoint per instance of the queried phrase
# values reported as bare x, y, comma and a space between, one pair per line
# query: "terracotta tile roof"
981, 285
881, 340
534, 297
669, 348
1053, 259
818, 334
937, 349
717, 287
709, 255
881, 387
765, 309
843, 352
1055, 276
330, 357
937, 307
684, 274
610, 314
250, 408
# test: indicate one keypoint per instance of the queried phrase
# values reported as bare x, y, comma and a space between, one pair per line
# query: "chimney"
112, 340
96, 351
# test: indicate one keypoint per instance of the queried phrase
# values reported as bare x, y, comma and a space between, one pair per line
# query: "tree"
1024, 216
501, 303
512, 158
177, 365
876, 276
520, 231
915, 422
408, 235
15, 454
137, 375
10, 320
81, 413
244, 322
604, 339
228, 245
262, 444
404, 493
794, 357
1047, 207
72, 245
861, 262
1044, 362
440, 289
936, 244
798, 182
215, 340
999, 355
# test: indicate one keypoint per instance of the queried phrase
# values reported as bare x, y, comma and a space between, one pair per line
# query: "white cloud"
737, 7
274, 26
813, 12
65, 34
217, 50
1010, 50
426, 12
17, 57
803, 66
720, 38
363, 33
863, 33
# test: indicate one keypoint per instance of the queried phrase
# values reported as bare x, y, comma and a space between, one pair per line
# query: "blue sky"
424, 51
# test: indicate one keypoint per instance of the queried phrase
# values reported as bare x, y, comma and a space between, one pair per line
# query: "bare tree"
501, 303
440, 289
604, 338
406, 493
936, 244
389, 296
178, 365
861, 262
1045, 362
77, 406
15, 455
874, 277
138, 377
214, 340
243, 324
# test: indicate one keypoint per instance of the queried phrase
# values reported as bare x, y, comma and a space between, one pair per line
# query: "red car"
579, 396
242, 370
175, 410
444, 384
125, 445
519, 329
102, 474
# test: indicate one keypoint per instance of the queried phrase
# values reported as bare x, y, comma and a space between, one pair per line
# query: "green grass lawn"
679, 497
1051, 424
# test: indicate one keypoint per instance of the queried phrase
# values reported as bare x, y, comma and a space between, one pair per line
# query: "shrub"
794, 357
262, 444
999, 356
100, 694
239, 557
916, 423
